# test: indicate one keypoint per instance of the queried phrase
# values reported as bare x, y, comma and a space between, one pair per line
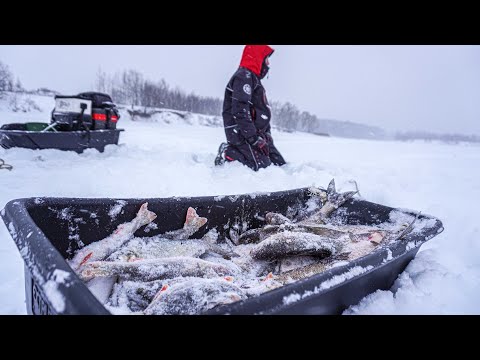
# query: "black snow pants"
251, 157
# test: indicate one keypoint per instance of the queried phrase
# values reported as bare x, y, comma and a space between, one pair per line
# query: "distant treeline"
288, 117
131, 88
422, 135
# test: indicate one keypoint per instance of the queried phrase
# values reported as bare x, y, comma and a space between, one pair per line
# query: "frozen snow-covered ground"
161, 160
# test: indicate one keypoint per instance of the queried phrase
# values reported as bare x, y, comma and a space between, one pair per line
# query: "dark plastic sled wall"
76, 141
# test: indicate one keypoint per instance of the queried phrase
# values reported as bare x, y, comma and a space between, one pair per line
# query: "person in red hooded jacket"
247, 114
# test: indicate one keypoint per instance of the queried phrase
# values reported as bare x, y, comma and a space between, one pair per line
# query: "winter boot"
220, 159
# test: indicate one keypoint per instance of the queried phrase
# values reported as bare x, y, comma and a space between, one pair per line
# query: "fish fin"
163, 289
192, 219
268, 277
85, 259
338, 199
348, 195
146, 215
331, 187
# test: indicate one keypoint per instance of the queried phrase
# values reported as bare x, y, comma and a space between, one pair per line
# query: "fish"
159, 247
248, 266
290, 243
276, 223
156, 269
359, 233
100, 250
333, 232
195, 296
254, 236
310, 270
272, 218
135, 295
355, 232
364, 244
331, 199
193, 222
293, 262
256, 286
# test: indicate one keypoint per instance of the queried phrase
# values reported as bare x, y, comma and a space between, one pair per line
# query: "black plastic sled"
76, 141
49, 230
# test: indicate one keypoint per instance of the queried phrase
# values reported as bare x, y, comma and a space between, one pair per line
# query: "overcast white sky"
433, 88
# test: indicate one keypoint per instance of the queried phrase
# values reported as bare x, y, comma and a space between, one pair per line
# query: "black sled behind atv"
87, 120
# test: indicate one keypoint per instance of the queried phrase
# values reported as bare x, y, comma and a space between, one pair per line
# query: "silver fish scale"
157, 269
151, 248
135, 295
194, 297
289, 243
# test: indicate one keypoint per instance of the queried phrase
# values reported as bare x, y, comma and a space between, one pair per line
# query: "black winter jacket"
246, 112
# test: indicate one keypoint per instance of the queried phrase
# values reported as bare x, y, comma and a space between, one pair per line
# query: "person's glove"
269, 138
259, 143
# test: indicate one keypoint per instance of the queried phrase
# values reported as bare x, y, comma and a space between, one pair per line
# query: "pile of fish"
172, 274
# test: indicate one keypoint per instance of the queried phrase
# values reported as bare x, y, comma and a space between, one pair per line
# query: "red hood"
253, 56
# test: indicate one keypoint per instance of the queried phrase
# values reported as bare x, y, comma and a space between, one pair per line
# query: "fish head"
90, 271
276, 219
